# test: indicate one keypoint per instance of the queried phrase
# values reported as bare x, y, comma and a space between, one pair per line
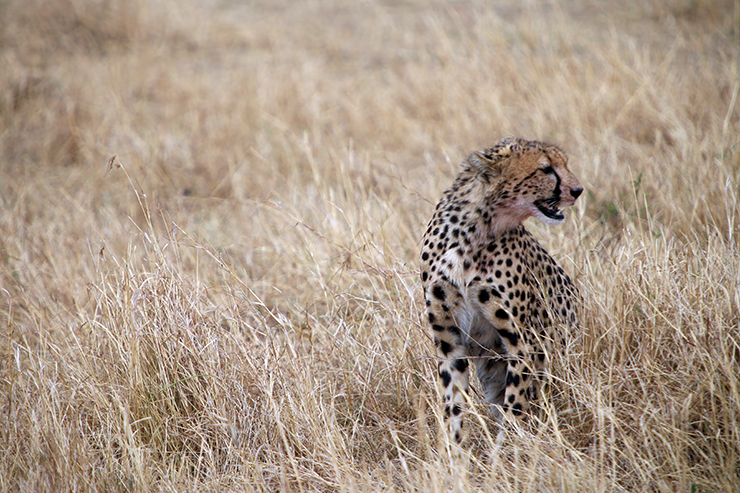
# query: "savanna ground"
233, 303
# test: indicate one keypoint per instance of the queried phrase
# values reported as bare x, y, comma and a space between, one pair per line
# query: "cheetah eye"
548, 170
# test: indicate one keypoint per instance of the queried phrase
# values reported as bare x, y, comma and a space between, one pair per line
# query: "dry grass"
237, 306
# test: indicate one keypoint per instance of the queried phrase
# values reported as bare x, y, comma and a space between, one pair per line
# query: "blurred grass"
234, 304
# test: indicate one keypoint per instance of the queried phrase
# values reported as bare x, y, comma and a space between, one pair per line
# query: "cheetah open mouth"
550, 208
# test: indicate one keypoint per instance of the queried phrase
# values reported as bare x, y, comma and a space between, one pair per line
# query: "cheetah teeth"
550, 210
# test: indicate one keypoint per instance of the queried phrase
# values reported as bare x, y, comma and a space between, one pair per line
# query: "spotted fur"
493, 294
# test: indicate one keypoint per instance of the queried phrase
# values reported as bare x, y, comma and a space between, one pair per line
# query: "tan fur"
492, 293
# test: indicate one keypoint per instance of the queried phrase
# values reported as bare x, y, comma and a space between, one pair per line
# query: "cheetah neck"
484, 214
468, 218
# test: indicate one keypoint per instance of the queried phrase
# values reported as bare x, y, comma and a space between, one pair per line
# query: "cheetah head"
524, 178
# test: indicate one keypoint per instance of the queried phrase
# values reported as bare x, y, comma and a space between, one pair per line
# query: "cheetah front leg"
443, 300
520, 363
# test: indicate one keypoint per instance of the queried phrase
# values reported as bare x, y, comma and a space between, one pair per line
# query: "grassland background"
232, 304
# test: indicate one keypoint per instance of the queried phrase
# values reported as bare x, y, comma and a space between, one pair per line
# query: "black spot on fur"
512, 337
445, 347
446, 378
460, 364
501, 313
483, 296
512, 379
439, 293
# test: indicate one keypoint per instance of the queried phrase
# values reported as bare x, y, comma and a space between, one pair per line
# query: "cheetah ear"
490, 162
488, 166
507, 146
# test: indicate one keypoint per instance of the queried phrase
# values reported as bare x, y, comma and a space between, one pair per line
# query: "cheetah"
493, 294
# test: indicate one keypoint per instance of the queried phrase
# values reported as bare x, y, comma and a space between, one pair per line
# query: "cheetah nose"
576, 192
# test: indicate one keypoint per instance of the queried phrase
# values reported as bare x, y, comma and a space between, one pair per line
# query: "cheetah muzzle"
493, 295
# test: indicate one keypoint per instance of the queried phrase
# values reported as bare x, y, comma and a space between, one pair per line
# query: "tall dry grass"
234, 304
